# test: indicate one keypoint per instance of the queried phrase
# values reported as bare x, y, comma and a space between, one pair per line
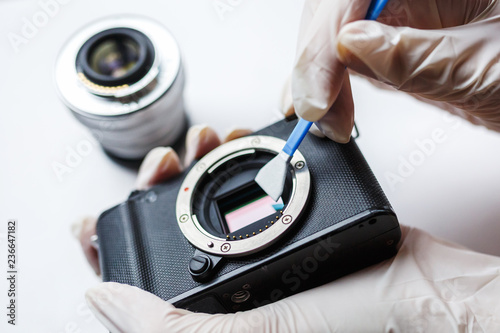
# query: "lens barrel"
122, 77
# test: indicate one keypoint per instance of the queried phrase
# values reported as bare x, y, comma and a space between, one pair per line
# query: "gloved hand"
439, 51
430, 286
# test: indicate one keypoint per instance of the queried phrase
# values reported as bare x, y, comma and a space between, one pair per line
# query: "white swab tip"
271, 178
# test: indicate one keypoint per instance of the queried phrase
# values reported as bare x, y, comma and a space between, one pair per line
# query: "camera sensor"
248, 205
229, 204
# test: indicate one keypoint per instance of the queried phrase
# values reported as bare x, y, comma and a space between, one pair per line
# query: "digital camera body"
211, 241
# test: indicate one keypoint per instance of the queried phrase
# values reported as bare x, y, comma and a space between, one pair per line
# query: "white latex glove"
440, 51
430, 286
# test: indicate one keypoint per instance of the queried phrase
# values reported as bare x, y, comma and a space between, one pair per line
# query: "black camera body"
209, 241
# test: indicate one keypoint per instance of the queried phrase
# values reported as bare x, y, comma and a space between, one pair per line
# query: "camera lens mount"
221, 210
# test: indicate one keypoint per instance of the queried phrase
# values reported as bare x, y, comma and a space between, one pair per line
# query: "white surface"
235, 71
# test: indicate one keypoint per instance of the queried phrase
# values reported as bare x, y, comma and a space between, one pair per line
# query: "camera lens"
122, 77
116, 57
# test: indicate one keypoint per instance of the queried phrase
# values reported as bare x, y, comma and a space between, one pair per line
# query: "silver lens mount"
246, 244
128, 117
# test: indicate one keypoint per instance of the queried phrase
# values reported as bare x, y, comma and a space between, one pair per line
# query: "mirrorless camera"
211, 240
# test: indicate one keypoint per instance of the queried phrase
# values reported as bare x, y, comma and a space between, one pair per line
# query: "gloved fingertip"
314, 89
344, 54
315, 92
236, 133
286, 102
356, 41
316, 131
287, 108
310, 109
339, 135
123, 308
309, 96
158, 165
98, 302
347, 39
76, 228
97, 269
82, 225
200, 140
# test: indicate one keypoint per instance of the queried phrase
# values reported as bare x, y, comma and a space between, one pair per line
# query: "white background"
236, 66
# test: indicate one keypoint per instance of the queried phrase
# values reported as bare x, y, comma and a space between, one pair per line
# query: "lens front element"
116, 57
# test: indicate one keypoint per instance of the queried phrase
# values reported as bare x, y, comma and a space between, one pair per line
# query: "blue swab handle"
375, 9
298, 134
303, 126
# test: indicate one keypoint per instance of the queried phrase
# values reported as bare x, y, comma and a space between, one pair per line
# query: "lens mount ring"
200, 238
